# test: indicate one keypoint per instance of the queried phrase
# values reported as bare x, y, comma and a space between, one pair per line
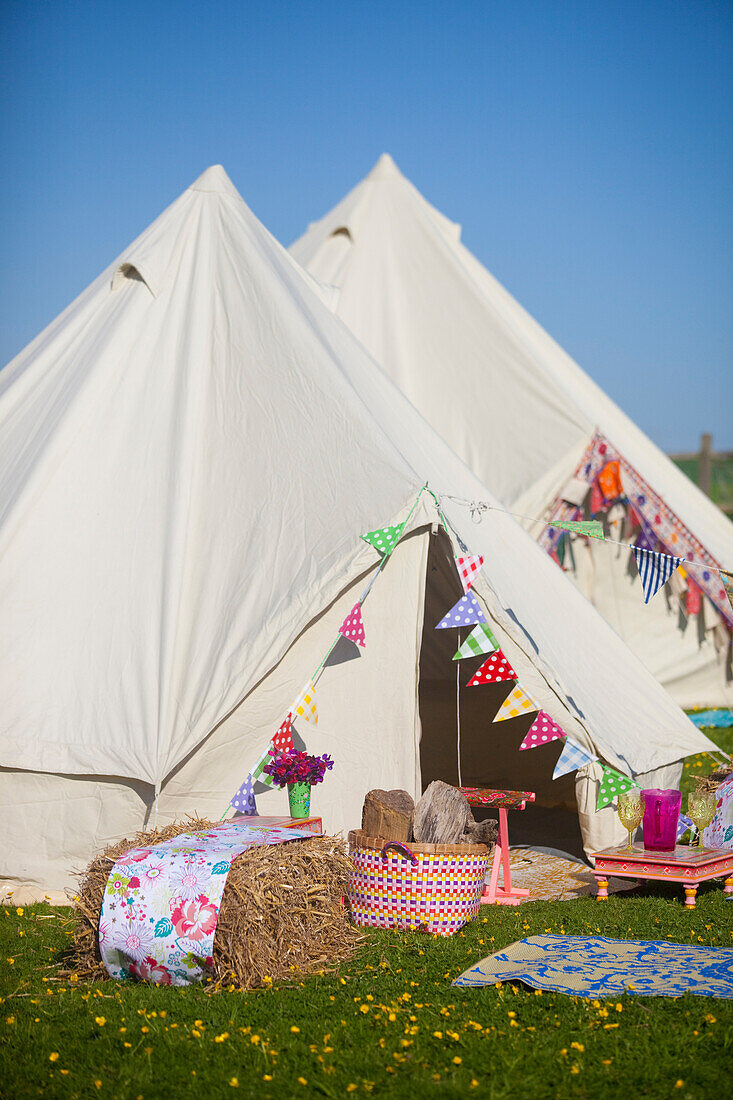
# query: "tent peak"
215, 179
385, 169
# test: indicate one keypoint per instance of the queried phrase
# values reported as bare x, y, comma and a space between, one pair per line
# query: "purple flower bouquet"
297, 767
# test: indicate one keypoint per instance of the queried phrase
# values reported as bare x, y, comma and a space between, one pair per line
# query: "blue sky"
584, 147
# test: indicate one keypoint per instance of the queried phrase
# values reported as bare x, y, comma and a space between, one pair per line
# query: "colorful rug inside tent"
161, 904
554, 878
593, 966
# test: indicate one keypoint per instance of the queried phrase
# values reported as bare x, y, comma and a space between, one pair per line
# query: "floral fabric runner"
161, 904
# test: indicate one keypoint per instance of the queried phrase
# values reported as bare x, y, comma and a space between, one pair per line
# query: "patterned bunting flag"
468, 566
572, 757
516, 703
465, 613
727, 579
613, 784
683, 825
494, 670
353, 626
593, 528
479, 641
543, 730
654, 569
244, 799
305, 705
385, 539
257, 774
283, 739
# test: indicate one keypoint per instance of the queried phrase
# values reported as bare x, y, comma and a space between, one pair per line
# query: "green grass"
696, 766
389, 1023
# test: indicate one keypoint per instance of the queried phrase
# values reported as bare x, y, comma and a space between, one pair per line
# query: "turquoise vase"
299, 797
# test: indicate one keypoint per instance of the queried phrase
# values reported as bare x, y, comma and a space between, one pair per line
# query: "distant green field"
721, 481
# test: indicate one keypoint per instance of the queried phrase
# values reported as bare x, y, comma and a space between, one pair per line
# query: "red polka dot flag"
353, 626
283, 739
542, 731
468, 567
493, 670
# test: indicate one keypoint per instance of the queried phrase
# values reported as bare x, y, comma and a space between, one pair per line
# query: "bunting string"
479, 507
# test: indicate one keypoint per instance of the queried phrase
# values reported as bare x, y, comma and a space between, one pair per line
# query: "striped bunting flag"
572, 757
654, 569
479, 641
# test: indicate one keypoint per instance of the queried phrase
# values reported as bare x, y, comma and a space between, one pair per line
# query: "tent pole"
458, 714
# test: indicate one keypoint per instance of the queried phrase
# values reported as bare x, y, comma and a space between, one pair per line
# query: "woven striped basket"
433, 888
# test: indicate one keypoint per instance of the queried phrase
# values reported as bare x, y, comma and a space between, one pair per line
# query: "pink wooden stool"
503, 800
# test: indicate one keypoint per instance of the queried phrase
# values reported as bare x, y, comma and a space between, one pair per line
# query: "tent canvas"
188, 455
512, 404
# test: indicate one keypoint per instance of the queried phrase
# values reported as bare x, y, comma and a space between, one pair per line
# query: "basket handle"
402, 849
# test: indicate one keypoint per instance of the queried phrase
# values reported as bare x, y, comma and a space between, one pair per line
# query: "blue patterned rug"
593, 966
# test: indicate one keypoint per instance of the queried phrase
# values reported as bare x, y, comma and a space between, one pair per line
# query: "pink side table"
503, 800
688, 866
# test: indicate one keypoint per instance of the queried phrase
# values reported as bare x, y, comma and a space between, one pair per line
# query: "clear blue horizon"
584, 148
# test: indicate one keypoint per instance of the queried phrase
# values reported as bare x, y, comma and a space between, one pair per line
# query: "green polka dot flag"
591, 527
385, 539
612, 785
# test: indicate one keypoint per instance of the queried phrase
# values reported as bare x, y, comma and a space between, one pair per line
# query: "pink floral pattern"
161, 904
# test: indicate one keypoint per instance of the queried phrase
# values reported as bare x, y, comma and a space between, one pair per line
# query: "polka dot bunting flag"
353, 626
465, 613
385, 539
283, 739
468, 567
612, 785
305, 705
516, 703
495, 669
542, 731
244, 799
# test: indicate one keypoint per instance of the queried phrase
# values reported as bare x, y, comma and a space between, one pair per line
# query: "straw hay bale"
281, 914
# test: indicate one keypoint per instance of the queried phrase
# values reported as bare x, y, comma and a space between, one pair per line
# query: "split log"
481, 832
442, 815
388, 814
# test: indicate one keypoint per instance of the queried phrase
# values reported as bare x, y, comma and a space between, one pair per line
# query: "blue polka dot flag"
244, 799
465, 613
654, 569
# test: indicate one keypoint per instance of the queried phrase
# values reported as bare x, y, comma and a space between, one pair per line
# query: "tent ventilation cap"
343, 231
127, 272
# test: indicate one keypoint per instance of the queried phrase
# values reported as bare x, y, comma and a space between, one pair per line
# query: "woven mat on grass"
552, 878
593, 966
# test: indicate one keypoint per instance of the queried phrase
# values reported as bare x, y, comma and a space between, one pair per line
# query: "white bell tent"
189, 454
527, 421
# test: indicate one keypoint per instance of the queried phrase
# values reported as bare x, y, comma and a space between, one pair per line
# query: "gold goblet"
701, 810
630, 810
